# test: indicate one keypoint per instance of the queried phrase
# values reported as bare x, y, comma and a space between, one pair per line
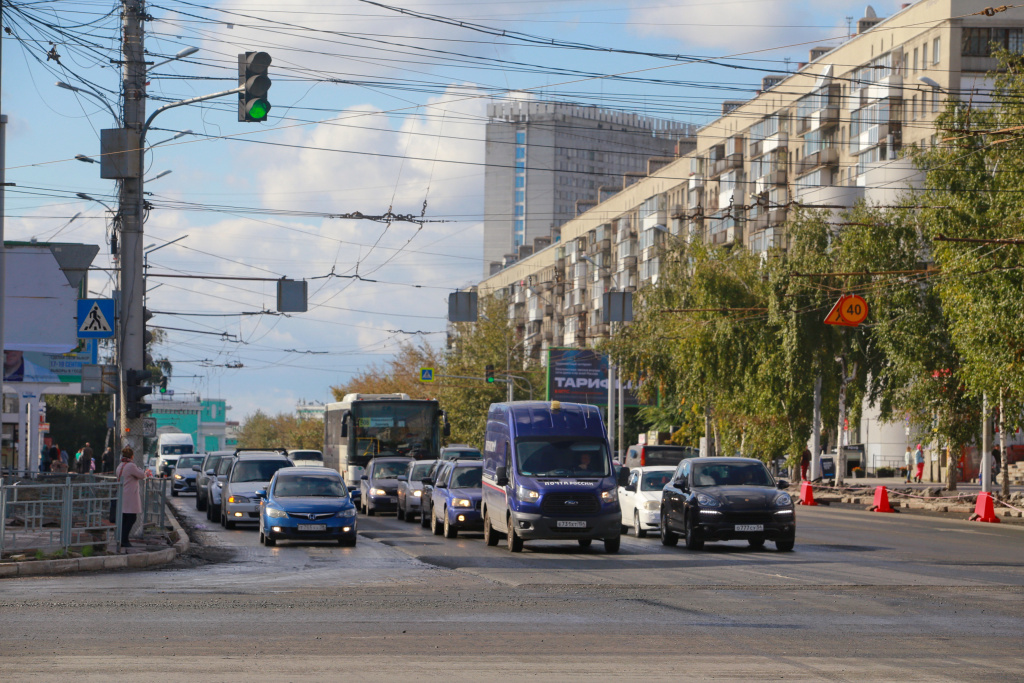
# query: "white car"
640, 498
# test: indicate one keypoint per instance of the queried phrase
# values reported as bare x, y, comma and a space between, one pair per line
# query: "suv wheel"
225, 522
693, 537
400, 513
425, 513
668, 537
611, 545
435, 526
449, 530
200, 502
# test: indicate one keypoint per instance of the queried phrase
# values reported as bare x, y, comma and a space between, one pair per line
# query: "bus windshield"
390, 428
562, 457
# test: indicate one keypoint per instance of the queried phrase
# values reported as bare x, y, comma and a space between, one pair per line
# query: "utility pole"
131, 331
986, 446
611, 407
816, 432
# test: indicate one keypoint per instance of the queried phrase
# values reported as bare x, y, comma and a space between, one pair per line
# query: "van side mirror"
624, 476
426, 481
501, 476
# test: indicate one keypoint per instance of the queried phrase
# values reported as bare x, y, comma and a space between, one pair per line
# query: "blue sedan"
307, 503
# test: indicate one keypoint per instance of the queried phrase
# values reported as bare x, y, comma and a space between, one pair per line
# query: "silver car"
410, 489
250, 472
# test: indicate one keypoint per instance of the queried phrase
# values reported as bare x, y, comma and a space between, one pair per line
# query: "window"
924, 57
977, 42
520, 167
520, 137
936, 50
520, 196
935, 102
520, 211
520, 152
521, 181
915, 60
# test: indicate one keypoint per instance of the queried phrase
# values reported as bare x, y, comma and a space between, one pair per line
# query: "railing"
46, 514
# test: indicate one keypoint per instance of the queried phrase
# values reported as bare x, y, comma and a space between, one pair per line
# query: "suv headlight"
237, 499
351, 512
462, 503
652, 505
378, 492
609, 496
783, 499
526, 494
706, 500
275, 513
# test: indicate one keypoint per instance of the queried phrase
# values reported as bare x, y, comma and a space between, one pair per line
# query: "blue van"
548, 475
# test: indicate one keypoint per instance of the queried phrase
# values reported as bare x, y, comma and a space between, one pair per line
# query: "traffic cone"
806, 494
984, 510
881, 500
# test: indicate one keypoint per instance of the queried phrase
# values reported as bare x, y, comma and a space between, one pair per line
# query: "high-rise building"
547, 162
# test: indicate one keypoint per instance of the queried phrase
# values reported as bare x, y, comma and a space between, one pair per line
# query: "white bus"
362, 426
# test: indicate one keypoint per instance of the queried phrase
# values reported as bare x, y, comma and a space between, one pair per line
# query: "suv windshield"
566, 457
655, 481
731, 474
212, 463
310, 485
467, 478
306, 455
256, 470
187, 463
388, 470
420, 472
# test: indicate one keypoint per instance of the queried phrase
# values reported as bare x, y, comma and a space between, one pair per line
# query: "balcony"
770, 180
696, 181
600, 246
771, 143
824, 157
725, 237
729, 163
823, 118
628, 263
768, 219
890, 87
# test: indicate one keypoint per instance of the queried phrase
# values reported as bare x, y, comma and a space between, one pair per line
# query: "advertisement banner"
581, 376
50, 368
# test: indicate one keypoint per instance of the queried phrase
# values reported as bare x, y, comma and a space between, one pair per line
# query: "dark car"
206, 473
379, 486
428, 491
724, 499
184, 478
455, 500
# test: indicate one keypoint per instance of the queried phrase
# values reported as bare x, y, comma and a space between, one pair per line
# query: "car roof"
467, 463
460, 447
654, 468
392, 458
261, 455
296, 471
725, 458
423, 462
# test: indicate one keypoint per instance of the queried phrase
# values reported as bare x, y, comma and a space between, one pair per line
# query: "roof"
295, 471
261, 455
538, 418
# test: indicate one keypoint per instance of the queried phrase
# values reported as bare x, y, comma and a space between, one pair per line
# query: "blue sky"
372, 109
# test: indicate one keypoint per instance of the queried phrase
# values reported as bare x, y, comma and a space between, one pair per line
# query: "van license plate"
570, 524
750, 527
312, 527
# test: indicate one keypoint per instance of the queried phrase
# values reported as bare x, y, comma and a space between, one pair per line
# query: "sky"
376, 108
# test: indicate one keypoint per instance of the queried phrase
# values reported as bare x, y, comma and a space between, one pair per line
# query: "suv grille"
569, 504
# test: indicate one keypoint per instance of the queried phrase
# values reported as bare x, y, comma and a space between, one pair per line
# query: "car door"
679, 488
440, 492
628, 497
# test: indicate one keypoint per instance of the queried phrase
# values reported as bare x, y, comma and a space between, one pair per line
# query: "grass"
88, 551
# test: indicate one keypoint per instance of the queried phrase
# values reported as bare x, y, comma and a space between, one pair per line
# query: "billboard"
581, 376
49, 368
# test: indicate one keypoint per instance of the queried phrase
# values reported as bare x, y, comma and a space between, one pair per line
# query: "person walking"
908, 460
128, 476
919, 460
107, 460
85, 464
805, 462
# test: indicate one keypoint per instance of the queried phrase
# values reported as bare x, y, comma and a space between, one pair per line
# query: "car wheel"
269, 541
225, 522
785, 544
424, 518
513, 541
200, 503
174, 494
490, 535
755, 542
435, 525
693, 539
209, 512
370, 512
410, 516
668, 537
584, 542
449, 530
638, 530
400, 513
611, 545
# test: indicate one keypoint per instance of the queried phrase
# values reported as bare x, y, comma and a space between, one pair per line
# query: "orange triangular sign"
835, 316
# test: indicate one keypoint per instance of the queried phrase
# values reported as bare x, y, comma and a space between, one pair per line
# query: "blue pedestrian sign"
426, 374
95, 318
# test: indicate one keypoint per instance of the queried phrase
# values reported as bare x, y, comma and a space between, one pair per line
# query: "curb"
102, 562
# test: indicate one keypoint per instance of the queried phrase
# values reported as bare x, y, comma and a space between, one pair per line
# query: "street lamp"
88, 160
180, 55
931, 83
89, 198
159, 175
84, 91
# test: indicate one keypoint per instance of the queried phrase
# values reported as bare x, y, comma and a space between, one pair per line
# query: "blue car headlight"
350, 512
462, 503
276, 513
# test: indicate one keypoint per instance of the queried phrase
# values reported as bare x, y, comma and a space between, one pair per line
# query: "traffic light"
135, 392
252, 76
489, 374
163, 384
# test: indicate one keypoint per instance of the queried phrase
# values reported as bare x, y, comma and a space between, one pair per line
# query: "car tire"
693, 539
424, 518
668, 537
400, 513
269, 541
513, 541
174, 494
611, 545
435, 525
785, 545
200, 502
490, 535
449, 530
209, 511
755, 542
638, 529
584, 542
410, 516
225, 522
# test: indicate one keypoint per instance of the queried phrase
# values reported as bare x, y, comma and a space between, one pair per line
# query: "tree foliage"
284, 430
399, 375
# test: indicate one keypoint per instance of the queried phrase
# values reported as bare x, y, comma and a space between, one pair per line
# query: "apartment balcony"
696, 181
824, 157
600, 246
628, 263
771, 143
726, 237
821, 119
768, 219
599, 330
890, 87
770, 180
729, 163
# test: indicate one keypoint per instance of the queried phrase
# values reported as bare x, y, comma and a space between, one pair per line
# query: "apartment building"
546, 162
829, 134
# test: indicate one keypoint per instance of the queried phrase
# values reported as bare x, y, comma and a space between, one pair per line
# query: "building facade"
204, 419
546, 162
829, 134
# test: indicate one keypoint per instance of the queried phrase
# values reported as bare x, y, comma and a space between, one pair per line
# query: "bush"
88, 551
885, 472
858, 472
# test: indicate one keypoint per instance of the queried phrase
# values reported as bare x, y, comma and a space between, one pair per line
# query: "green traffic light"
259, 108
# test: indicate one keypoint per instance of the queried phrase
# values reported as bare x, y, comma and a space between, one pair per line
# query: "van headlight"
609, 496
526, 494
275, 513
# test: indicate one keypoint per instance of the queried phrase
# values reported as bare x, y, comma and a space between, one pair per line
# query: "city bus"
363, 426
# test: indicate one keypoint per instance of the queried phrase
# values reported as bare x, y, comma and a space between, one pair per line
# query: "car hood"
472, 494
741, 497
246, 488
649, 495
383, 483
313, 504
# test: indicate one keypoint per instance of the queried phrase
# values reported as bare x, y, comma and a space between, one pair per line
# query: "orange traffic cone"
806, 494
881, 500
984, 510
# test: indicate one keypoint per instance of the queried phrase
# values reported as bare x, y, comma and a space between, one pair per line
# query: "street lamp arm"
182, 103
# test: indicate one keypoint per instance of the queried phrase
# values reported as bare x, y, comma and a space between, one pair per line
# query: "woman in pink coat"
129, 475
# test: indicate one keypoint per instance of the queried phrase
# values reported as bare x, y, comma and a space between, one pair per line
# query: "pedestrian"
58, 466
805, 462
107, 460
128, 476
908, 460
87, 463
996, 462
919, 459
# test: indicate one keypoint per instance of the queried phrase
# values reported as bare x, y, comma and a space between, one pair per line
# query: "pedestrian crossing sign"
426, 374
95, 318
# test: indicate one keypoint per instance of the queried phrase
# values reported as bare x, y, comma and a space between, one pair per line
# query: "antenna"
849, 27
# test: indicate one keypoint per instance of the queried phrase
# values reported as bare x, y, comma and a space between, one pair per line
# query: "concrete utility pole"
611, 406
816, 432
1002, 449
132, 326
986, 447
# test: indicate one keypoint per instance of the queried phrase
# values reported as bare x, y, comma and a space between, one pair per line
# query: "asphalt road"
864, 596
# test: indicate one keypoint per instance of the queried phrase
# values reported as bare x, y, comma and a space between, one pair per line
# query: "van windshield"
562, 457
181, 449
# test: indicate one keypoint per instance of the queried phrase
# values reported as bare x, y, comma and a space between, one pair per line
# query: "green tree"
398, 375
75, 420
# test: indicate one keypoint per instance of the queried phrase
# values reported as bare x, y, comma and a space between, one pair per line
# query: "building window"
520, 137
520, 166
520, 196
520, 152
520, 181
520, 210
977, 42
936, 50
935, 102
520, 226
915, 60
924, 57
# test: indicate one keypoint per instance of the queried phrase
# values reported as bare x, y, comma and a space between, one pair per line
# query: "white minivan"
168, 448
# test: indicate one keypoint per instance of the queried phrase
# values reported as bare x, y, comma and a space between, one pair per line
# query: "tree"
283, 430
74, 420
398, 375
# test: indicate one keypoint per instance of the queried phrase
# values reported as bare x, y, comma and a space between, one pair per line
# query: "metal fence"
48, 514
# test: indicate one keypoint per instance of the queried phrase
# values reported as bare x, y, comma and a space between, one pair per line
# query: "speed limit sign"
850, 311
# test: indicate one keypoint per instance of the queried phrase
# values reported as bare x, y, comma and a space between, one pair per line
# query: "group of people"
914, 461
55, 459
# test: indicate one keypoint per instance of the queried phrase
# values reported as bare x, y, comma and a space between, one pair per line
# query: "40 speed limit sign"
851, 310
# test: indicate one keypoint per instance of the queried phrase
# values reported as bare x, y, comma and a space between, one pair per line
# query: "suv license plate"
750, 527
570, 524
312, 527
